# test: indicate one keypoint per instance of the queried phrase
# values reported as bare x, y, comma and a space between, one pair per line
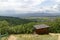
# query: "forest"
14, 25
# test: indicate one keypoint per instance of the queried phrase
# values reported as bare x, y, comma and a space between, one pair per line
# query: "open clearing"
31, 37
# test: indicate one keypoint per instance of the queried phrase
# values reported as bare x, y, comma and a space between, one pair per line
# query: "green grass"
4, 38
33, 37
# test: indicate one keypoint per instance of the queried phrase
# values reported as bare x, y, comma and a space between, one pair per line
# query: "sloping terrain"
32, 37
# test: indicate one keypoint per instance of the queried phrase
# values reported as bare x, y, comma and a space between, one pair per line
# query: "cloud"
57, 0
30, 5
3, 0
19, 5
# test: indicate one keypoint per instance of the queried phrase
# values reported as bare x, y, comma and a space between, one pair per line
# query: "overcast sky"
26, 6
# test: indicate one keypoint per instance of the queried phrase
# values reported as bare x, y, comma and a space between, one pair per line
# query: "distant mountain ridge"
37, 15
33, 14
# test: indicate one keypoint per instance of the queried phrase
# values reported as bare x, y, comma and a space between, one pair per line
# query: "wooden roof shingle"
40, 26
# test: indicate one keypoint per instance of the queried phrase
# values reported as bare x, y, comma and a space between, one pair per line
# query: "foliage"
12, 25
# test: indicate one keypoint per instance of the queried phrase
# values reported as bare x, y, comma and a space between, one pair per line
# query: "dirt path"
52, 34
59, 37
12, 37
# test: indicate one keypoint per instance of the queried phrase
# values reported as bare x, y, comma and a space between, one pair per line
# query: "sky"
29, 6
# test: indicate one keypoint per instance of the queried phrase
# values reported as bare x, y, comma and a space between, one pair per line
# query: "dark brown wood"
42, 31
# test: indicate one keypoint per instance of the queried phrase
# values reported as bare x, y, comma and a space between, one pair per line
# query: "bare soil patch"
12, 37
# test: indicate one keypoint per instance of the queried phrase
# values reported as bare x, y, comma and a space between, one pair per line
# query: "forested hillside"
14, 25
13, 20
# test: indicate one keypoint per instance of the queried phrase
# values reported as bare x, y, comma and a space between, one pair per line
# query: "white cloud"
3, 0
57, 0
27, 5
19, 5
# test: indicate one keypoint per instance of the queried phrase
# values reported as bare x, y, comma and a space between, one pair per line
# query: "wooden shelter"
41, 29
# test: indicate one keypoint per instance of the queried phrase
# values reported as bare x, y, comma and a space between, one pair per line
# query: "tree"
4, 25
